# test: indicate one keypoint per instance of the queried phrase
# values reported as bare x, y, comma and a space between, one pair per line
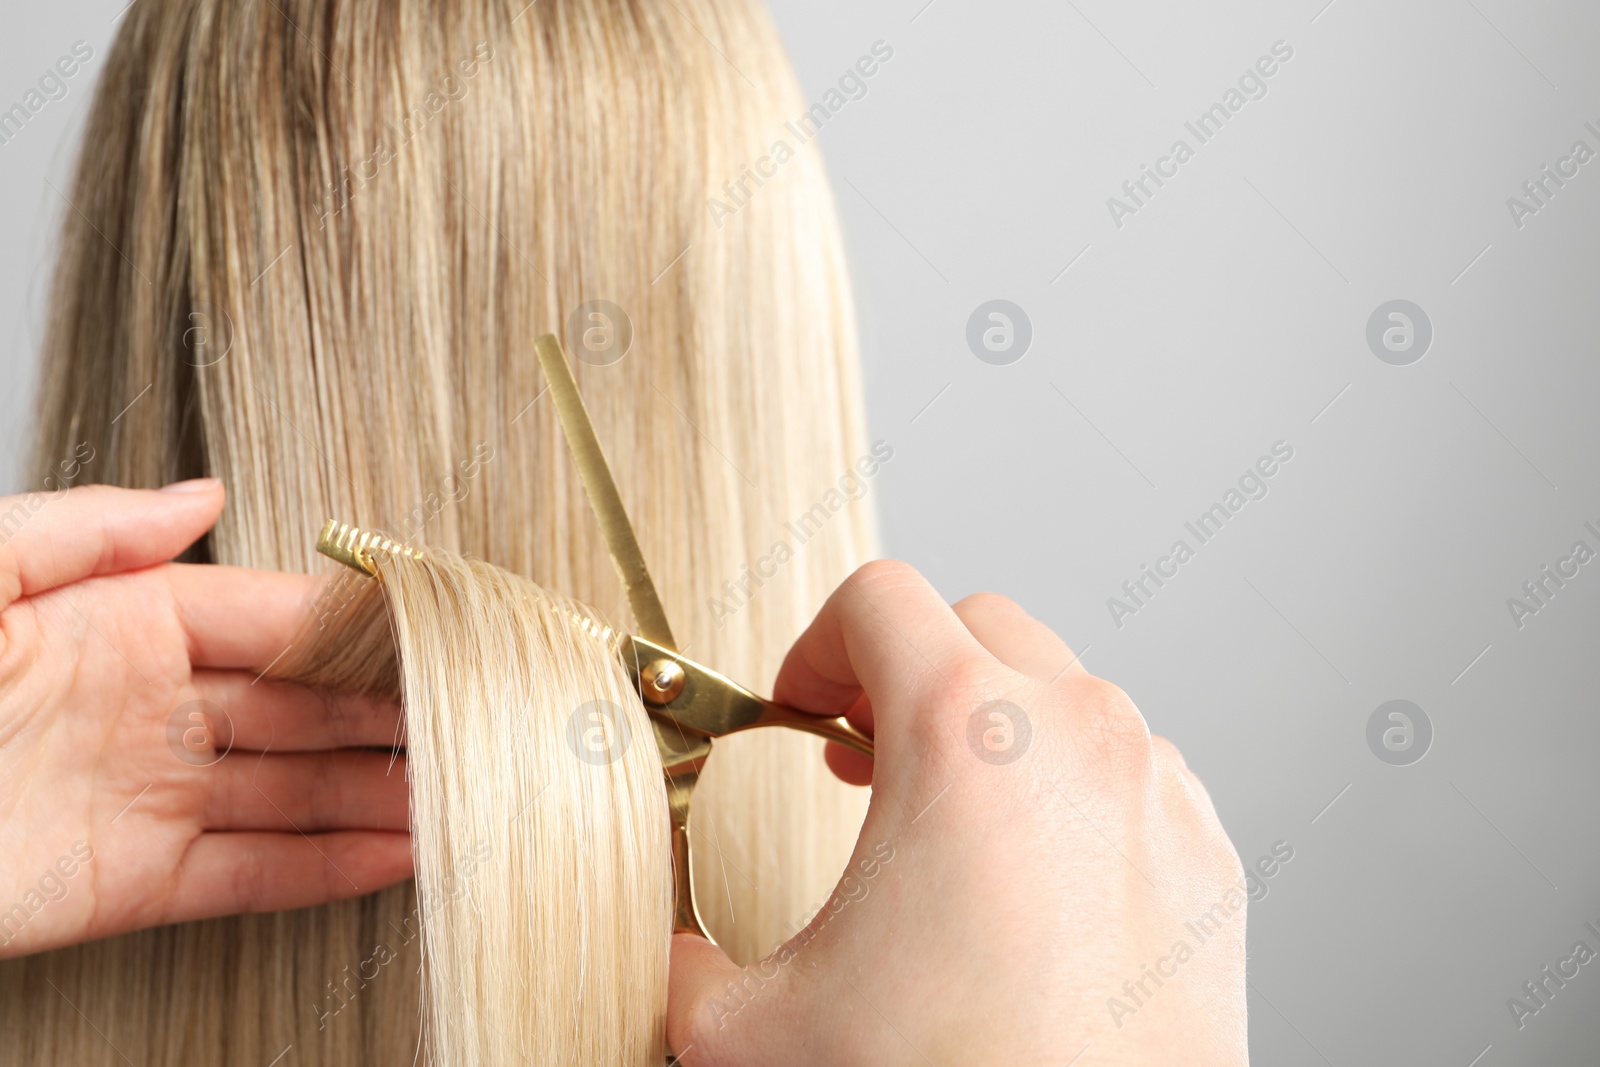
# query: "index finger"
885, 632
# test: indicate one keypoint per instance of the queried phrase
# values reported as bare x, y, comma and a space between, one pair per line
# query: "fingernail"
193, 485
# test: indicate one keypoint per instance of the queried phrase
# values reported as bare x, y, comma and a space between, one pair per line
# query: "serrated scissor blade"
650, 619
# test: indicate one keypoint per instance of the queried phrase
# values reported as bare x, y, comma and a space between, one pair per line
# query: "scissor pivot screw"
663, 681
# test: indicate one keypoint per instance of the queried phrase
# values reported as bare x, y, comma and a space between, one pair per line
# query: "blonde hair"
544, 896
309, 254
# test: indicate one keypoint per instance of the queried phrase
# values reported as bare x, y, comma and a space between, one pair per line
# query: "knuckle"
1186, 799
106, 555
1109, 724
1165, 752
10, 572
968, 689
247, 876
970, 680
885, 574
1219, 846
987, 604
335, 713
1179, 789
1227, 858
1188, 804
1213, 859
327, 785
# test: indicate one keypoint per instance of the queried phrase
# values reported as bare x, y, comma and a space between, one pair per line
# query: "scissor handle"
694, 696
837, 729
690, 707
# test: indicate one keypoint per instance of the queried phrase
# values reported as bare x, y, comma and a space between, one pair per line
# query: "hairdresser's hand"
1025, 878
118, 807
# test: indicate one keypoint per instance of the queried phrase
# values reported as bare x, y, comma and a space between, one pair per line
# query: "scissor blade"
650, 619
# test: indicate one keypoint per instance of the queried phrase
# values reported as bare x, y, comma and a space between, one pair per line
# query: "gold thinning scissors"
690, 704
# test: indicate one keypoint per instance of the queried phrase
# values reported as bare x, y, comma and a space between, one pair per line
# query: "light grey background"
1228, 314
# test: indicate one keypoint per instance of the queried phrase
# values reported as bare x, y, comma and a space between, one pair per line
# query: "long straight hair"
312, 242
539, 812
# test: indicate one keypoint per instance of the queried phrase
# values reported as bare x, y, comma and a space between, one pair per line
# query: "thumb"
699, 974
